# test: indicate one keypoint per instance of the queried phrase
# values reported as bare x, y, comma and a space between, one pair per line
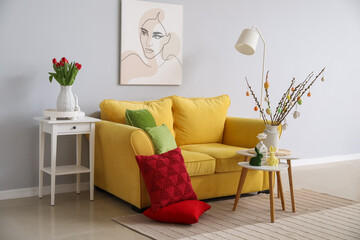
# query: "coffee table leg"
280, 190
271, 188
291, 186
241, 184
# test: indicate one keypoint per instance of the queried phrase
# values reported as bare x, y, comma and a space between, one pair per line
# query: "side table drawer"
73, 128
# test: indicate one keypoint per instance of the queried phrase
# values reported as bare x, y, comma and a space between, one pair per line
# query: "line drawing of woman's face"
153, 37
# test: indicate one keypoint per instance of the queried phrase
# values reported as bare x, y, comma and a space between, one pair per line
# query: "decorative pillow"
161, 138
114, 111
166, 178
141, 118
199, 120
187, 212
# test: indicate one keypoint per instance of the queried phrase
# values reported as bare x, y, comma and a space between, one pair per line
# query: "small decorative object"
322, 78
65, 74
285, 125
256, 160
296, 114
268, 111
272, 160
309, 94
77, 107
256, 108
261, 146
289, 99
247, 93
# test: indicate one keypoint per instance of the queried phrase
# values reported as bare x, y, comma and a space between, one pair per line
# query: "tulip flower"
54, 61
78, 66
64, 60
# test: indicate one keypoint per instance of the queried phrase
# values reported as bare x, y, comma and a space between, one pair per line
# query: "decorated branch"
291, 98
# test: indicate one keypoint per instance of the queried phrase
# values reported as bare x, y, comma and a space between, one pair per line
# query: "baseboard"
34, 191
322, 160
63, 188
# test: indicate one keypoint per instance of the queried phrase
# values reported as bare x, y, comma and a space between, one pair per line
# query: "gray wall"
302, 36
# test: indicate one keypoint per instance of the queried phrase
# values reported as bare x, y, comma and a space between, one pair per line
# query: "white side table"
271, 169
83, 125
288, 159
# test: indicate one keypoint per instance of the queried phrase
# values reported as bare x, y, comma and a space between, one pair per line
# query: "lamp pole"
263, 66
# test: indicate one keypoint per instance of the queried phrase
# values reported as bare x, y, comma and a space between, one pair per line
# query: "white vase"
272, 138
66, 100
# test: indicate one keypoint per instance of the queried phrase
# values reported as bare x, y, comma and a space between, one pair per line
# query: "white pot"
66, 100
272, 138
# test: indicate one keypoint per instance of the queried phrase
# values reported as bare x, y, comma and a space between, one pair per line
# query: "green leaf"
50, 78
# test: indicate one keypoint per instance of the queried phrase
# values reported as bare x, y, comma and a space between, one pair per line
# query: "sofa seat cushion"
225, 155
161, 110
198, 163
199, 120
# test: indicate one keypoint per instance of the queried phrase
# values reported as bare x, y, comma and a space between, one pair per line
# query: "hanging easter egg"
256, 108
284, 127
292, 89
279, 110
299, 101
268, 111
266, 99
296, 114
309, 94
288, 97
322, 79
266, 85
247, 93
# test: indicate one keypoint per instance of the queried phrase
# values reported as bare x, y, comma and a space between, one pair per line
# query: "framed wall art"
151, 43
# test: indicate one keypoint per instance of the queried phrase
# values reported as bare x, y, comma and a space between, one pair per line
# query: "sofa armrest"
242, 132
116, 169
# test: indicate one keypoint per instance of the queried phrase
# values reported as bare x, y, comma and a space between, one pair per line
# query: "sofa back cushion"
199, 120
114, 111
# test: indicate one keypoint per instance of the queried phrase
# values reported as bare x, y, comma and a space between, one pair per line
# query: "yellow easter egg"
268, 111
266, 85
288, 97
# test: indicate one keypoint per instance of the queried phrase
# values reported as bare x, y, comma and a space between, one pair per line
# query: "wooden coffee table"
271, 169
288, 159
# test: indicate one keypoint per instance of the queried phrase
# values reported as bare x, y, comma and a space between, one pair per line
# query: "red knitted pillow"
166, 178
187, 212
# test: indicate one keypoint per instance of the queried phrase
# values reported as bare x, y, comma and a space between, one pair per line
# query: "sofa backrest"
190, 120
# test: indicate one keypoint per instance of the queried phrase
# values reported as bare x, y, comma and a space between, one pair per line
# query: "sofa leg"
138, 210
265, 191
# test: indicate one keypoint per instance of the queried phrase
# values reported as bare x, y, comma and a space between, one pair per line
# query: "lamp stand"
263, 66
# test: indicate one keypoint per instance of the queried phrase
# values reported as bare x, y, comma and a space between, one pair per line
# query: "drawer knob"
74, 127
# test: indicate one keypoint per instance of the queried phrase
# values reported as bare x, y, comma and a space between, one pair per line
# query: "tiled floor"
75, 217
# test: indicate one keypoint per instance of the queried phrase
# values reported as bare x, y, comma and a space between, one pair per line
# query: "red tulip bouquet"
65, 72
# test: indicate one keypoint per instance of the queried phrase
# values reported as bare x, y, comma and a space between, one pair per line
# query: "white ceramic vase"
66, 100
272, 138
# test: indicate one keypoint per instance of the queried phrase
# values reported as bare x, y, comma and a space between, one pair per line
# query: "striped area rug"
318, 216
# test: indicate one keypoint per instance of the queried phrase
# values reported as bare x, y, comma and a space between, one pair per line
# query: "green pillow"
139, 118
161, 138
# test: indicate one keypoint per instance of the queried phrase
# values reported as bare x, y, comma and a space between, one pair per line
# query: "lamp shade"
246, 44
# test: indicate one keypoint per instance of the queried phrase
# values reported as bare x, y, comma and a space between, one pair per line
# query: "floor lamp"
246, 44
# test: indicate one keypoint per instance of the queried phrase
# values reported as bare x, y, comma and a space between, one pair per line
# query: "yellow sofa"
207, 137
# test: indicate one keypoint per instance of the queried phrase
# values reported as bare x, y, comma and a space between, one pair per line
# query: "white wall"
302, 36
